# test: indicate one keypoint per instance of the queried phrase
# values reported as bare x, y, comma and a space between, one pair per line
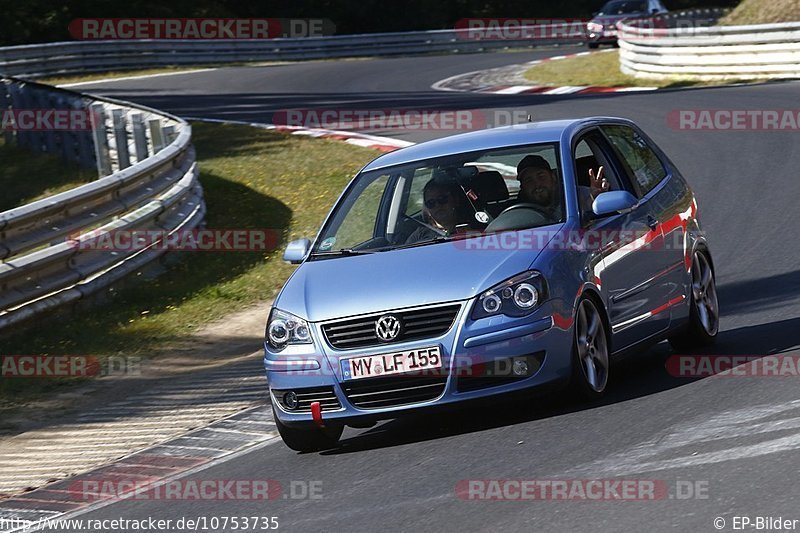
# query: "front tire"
312, 439
593, 46
590, 353
703, 307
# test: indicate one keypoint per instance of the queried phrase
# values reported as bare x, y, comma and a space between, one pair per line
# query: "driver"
443, 209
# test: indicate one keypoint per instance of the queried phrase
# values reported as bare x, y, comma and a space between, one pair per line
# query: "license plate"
371, 366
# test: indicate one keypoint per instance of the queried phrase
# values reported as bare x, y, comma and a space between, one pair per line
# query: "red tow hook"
316, 414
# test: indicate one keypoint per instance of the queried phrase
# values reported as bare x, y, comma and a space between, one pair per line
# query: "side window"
421, 177
591, 154
588, 160
641, 163
359, 226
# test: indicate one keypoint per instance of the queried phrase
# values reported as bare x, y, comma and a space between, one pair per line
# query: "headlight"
594, 27
284, 328
517, 296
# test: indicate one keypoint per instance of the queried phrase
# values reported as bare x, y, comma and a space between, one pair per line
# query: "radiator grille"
416, 324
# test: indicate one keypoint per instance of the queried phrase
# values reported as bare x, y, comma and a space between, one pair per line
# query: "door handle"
652, 222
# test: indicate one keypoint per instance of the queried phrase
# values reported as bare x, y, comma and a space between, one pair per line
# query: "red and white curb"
383, 144
566, 89
152, 467
447, 84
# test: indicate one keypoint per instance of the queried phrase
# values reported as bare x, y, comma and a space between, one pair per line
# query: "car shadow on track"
637, 376
763, 293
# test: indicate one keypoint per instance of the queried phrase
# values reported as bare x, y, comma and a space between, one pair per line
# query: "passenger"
540, 186
444, 208
598, 181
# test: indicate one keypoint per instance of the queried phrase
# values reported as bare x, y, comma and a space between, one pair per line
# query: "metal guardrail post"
169, 134
100, 135
32, 138
83, 139
68, 143
156, 135
5, 105
121, 138
139, 136
17, 98
51, 140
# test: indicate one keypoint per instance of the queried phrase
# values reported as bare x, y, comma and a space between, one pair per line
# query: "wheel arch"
700, 245
591, 293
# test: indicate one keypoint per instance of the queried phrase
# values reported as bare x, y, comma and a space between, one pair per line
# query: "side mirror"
654, 11
296, 251
610, 202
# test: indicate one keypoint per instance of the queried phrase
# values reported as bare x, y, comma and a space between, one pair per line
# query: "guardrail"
40, 60
710, 53
148, 182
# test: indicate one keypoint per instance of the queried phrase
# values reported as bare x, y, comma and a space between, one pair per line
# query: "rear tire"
703, 323
312, 439
591, 359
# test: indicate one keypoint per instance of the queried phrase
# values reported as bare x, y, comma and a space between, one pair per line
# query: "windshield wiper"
342, 252
434, 240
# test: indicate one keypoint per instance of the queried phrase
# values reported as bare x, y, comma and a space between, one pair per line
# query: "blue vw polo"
482, 264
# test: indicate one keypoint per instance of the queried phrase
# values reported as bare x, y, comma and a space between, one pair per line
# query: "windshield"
623, 7
446, 198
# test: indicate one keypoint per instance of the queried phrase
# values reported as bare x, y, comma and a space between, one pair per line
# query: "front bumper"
477, 359
602, 36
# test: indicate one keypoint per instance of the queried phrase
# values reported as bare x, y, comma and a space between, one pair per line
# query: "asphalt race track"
736, 440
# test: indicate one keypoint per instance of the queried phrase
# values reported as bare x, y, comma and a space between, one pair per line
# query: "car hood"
338, 287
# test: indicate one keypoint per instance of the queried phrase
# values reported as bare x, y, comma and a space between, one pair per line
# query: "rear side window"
641, 162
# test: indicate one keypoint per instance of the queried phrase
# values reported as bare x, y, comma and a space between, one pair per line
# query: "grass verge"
253, 179
762, 12
26, 176
599, 70
79, 78
97, 76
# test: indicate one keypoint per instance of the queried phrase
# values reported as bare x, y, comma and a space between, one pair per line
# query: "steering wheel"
526, 205
424, 225
420, 223
519, 220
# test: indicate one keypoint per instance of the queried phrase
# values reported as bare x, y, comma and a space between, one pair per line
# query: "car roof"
507, 136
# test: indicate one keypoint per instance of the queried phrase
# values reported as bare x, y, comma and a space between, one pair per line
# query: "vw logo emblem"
387, 328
